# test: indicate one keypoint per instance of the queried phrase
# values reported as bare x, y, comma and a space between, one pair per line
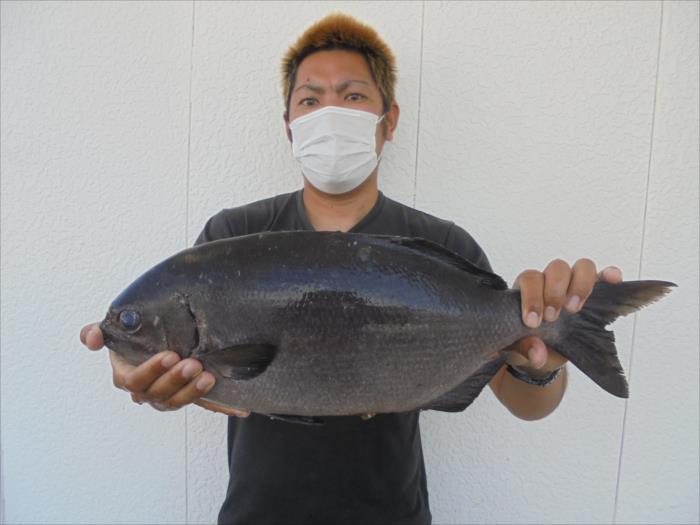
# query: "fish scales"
330, 323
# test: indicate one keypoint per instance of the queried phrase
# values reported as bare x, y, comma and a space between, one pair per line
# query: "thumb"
91, 336
529, 352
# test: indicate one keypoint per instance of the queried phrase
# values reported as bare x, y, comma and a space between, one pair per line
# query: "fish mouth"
126, 349
106, 328
111, 339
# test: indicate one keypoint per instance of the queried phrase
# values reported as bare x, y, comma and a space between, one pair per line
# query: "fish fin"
300, 420
443, 254
610, 301
589, 346
466, 392
240, 362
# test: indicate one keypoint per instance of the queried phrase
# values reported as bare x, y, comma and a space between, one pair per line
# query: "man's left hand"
542, 296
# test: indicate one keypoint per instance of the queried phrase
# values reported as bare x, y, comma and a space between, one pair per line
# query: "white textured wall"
546, 130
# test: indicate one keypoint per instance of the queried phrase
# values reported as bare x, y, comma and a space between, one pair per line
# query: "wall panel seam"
641, 256
420, 89
187, 241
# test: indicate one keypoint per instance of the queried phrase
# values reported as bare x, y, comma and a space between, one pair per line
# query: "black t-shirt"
347, 470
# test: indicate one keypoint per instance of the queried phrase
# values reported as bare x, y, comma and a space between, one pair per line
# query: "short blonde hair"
341, 31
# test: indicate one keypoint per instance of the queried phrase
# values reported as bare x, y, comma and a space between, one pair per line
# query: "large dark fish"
314, 323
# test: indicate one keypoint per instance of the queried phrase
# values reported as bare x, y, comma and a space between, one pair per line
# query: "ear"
285, 117
392, 120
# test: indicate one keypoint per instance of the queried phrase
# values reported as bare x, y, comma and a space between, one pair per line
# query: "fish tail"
587, 344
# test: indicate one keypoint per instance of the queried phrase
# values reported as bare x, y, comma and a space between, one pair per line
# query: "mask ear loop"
379, 157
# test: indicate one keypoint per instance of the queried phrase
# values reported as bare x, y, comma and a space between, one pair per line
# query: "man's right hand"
165, 381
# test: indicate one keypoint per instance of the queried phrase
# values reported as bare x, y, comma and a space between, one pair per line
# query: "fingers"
179, 388
557, 276
527, 352
531, 284
162, 377
583, 278
166, 382
214, 407
530, 353
120, 368
138, 379
83, 331
91, 336
171, 382
610, 274
192, 391
544, 294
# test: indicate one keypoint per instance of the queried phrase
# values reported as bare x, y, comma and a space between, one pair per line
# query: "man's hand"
543, 295
165, 381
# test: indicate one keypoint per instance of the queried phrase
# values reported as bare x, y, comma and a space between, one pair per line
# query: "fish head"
147, 319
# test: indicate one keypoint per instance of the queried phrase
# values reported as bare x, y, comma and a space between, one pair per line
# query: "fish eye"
130, 320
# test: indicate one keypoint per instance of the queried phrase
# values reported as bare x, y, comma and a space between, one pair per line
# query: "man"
338, 82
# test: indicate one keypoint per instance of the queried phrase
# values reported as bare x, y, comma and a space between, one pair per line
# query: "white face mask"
335, 147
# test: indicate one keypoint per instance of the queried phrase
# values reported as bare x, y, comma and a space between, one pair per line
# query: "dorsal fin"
443, 254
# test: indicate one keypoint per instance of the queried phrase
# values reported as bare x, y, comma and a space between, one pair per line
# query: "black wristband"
531, 380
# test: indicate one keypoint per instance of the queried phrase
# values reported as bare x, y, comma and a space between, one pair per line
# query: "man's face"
339, 78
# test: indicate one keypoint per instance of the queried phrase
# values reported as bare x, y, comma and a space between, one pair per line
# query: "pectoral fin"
240, 362
462, 395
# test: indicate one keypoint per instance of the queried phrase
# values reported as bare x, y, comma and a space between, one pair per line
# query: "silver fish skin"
330, 323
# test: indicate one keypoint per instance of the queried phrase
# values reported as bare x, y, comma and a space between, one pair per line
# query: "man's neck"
340, 212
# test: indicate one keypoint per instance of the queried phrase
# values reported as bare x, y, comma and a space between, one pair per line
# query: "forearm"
527, 401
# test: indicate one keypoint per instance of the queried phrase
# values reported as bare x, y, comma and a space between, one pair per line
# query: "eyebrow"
341, 87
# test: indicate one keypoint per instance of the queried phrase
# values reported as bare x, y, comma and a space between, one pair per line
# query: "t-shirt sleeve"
217, 227
460, 242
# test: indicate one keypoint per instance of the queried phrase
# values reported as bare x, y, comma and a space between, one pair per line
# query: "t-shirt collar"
364, 222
